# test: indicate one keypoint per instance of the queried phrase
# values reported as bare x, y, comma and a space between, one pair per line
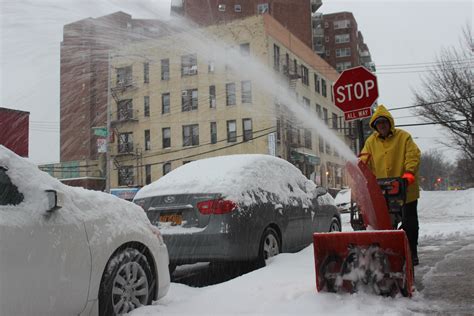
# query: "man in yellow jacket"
393, 153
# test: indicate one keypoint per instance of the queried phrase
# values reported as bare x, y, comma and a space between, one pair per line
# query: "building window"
308, 142
286, 68
342, 38
319, 111
189, 65
221, 7
211, 66
147, 140
342, 24
306, 102
323, 87
276, 57
146, 106
213, 132
146, 72
231, 131
321, 144
191, 135
262, 8
248, 131
334, 121
125, 143
189, 100
304, 75
245, 49
230, 93
295, 66
325, 116
147, 174
343, 52
343, 66
246, 91
124, 76
165, 69
166, 168
212, 97
237, 8
165, 103
125, 110
125, 176
278, 129
316, 84
166, 137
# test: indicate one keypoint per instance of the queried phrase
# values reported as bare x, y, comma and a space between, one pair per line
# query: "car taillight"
219, 206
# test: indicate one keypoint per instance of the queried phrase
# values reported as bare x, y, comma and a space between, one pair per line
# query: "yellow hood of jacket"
394, 155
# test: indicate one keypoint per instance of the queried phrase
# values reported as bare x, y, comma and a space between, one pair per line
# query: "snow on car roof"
78, 205
237, 177
343, 196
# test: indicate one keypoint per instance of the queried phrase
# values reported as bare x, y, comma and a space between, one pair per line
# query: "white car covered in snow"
70, 251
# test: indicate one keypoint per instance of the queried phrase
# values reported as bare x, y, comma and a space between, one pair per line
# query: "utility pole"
107, 152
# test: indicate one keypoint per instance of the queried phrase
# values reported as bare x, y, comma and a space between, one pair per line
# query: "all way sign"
367, 112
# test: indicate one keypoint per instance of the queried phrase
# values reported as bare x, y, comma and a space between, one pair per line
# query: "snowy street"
287, 285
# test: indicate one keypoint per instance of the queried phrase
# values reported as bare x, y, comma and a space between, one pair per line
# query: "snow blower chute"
376, 260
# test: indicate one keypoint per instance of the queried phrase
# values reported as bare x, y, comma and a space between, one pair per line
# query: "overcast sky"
401, 35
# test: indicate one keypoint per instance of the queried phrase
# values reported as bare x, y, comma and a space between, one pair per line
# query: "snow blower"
376, 260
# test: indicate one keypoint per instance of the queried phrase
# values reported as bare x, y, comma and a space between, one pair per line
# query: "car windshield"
9, 194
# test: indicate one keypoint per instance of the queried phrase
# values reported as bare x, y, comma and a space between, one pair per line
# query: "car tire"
335, 226
127, 283
270, 246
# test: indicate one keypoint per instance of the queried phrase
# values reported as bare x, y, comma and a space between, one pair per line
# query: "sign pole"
360, 130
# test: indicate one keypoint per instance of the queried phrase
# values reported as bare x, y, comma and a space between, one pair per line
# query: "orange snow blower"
377, 260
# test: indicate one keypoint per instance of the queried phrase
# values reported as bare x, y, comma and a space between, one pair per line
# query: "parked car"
240, 208
70, 251
343, 200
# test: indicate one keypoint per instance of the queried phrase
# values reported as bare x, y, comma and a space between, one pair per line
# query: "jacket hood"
381, 111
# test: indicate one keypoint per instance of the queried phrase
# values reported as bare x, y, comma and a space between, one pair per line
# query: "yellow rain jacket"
394, 155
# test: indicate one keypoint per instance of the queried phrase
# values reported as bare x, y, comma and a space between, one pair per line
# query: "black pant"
410, 226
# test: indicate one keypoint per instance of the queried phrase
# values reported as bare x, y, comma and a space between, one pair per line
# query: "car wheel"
269, 246
127, 283
335, 226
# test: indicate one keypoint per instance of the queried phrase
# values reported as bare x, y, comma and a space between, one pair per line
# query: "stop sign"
355, 91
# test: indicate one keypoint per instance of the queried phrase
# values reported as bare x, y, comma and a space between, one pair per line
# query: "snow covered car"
70, 251
241, 208
343, 200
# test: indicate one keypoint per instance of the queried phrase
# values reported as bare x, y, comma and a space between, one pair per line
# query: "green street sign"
100, 131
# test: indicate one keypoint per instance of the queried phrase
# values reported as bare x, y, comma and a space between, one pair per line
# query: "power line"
427, 104
203, 153
431, 123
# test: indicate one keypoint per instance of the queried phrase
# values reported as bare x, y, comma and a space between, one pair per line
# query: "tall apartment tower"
337, 39
294, 15
84, 76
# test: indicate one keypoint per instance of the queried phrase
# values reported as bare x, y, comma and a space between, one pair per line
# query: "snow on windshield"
237, 177
344, 196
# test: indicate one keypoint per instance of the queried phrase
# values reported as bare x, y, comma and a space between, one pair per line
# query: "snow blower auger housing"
377, 260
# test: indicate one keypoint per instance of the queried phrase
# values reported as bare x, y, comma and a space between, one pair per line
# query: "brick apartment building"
14, 130
294, 15
83, 88
337, 39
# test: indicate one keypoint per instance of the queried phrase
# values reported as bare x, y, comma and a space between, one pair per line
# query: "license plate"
176, 219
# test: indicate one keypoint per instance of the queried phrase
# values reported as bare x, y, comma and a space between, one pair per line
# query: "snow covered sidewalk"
287, 285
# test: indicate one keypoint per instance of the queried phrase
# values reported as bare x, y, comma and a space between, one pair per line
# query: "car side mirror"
54, 201
321, 191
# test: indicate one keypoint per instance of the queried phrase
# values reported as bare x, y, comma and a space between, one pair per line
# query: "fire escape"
120, 125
